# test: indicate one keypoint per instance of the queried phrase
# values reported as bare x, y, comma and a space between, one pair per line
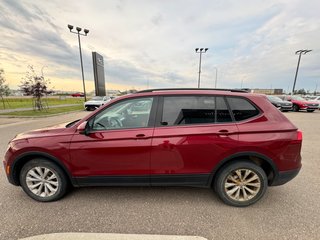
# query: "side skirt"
193, 180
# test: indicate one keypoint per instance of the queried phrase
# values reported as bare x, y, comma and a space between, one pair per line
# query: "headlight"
8, 146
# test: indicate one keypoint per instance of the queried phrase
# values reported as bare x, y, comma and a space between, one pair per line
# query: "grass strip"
45, 112
24, 102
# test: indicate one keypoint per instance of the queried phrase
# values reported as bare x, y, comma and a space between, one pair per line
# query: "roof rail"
173, 89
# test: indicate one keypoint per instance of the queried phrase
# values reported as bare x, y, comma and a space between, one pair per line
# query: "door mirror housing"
82, 128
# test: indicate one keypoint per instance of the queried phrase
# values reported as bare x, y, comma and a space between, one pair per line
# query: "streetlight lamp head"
206, 49
201, 49
70, 27
86, 31
78, 29
197, 49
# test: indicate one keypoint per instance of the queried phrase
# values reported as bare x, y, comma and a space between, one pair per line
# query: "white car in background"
96, 102
315, 99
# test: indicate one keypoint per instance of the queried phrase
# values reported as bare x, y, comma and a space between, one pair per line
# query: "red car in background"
300, 103
77, 94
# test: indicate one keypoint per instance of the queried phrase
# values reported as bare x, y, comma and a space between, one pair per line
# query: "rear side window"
184, 110
242, 109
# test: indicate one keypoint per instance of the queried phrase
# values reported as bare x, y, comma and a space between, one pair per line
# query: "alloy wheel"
242, 185
42, 181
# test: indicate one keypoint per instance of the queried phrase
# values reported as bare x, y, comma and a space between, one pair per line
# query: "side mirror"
82, 128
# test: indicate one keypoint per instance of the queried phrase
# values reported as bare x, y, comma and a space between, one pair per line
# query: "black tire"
296, 108
223, 176
310, 110
60, 179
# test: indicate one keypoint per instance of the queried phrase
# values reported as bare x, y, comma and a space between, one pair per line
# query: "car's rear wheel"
43, 180
241, 184
296, 108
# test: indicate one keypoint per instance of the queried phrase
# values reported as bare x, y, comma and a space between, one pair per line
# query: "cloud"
152, 42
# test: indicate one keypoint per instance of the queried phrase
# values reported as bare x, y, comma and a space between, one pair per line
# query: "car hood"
303, 102
282, 102
286, 102
310, 102
43, 132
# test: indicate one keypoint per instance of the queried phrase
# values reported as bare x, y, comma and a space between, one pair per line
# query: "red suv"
300, 103
235, 142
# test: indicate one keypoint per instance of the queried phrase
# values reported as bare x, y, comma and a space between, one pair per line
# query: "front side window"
184, 110
132, 113
242, 109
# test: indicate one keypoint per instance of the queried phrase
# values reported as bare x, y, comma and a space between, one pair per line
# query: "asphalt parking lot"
291, 211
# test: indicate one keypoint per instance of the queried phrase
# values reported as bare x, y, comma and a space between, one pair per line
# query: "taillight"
299, 135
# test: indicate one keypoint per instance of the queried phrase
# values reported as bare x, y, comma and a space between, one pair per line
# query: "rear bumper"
284, 177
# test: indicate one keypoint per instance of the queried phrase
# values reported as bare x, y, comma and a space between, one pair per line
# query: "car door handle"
223, 131
140, 135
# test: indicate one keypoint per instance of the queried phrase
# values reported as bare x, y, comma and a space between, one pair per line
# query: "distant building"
15, 92
112, 92
275, 91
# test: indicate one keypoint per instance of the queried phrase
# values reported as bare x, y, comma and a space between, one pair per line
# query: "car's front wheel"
296, 108
43, 180
241, 183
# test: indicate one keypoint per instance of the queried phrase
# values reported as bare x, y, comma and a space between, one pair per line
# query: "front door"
117, 149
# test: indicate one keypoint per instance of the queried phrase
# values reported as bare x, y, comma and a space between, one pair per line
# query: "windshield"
298, 98
274, 98
97, 98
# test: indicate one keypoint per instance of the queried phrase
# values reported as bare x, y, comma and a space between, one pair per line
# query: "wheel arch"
22, 159
261, 160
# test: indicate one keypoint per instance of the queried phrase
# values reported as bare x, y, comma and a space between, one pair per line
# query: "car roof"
202, 89
197, 91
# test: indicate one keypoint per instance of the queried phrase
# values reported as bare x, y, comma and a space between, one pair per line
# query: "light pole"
86, 31
200, 50
45, 66
300, 52
215, 82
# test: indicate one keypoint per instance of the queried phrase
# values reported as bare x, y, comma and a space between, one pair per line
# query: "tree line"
32, 84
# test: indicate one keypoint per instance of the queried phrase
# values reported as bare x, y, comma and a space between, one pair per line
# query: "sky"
151, 43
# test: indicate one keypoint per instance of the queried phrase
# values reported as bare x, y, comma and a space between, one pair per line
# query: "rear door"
192, 134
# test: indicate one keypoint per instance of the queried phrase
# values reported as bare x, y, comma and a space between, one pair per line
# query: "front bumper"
9, 173
91, 106
284, 176
288, 108
309, 108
